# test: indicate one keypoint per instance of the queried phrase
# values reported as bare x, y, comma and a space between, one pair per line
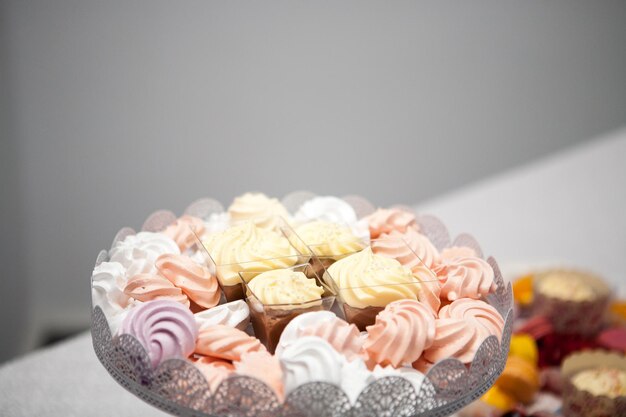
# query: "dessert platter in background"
567, 351
305, 306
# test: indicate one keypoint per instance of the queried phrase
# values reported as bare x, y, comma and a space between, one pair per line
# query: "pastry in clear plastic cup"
326, 241
366, 282
574, 301
276, 297
594, 384
245, 248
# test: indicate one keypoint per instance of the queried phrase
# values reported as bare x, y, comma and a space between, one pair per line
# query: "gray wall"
121, 107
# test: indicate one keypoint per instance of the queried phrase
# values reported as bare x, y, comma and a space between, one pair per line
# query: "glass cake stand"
177, 387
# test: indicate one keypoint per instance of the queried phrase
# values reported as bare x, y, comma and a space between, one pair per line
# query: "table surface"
564, 209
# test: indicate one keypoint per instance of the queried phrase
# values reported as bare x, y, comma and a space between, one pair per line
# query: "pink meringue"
465, 277
165, 328
458, 252
386, 220
226, 342
403, 330
343, 336
147, 287
461, 328
265, 367
182, 231
193, 279
214, 370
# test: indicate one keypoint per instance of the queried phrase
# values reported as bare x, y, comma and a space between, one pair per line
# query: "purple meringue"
165, 328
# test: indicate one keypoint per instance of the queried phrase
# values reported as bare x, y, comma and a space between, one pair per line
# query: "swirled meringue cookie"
182, 231
284, 286
417, 251
386, 220
107, 291
137, 253
310, 359
193, 279
344, 337
265, 212
214, 370
330, 209
245, 248
234, 314
415, 377
264, 367
465, 277
328, 239
403, 330
365, 279
226, 342
148, 287
454, 252
461, 328
165, 328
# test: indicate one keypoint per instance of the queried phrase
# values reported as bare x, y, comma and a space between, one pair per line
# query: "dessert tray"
176, 385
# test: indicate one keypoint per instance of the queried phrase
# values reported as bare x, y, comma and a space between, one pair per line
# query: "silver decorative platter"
177, 387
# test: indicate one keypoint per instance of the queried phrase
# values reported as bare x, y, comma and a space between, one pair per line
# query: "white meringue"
137, 253
329, 208
293, 331
354, 378
310, 359
107, 292
218, 222
414, 376
234, 314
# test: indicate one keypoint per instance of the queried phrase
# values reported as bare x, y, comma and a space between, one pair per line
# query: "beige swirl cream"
284, 286
263, 211
244, 248
328, 239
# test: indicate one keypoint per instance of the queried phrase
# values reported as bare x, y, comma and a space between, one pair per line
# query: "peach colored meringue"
214, 370
226, 342
465, 277
461, 328
193, 279
386, 220
458, 252
343, 336
265, 367
403, 330
146, 287
182, 231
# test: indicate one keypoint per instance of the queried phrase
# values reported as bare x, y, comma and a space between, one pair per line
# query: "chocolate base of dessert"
269, 323
361, 317
233, 292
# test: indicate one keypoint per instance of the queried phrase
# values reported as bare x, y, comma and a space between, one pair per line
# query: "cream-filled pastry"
365, 279
284, 286
328, 239
245, 248
263, 211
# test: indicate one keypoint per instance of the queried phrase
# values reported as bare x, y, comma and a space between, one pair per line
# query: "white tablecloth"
569, 208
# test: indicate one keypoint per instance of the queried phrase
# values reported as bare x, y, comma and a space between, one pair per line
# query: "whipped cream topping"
365, 279
165, 328
284, 286
137, 253
248, 248
234, 314
602, 381
328, 239
310, 359
263, 211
